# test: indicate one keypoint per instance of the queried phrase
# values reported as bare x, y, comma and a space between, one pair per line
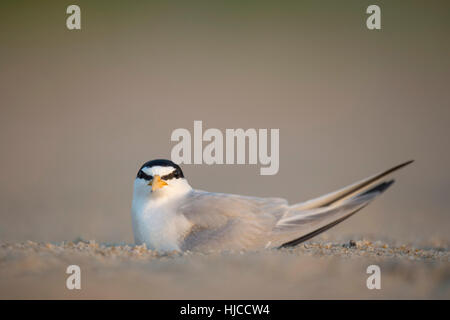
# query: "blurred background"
82, 110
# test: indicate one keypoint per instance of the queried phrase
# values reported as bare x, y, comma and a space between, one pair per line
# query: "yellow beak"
157, 183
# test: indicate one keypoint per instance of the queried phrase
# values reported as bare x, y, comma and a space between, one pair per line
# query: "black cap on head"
177, 173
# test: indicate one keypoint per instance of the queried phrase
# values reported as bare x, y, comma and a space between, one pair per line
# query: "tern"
169, 215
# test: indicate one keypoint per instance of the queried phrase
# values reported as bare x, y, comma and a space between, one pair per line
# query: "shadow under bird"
168, 214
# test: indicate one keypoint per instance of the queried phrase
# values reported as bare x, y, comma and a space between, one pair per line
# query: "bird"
169, 215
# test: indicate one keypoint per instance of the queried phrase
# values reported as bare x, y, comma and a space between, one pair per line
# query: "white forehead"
158, 170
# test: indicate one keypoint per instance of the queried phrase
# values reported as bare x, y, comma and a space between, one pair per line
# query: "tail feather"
379, 188
314, 233
308, 219
349, 191
321, 219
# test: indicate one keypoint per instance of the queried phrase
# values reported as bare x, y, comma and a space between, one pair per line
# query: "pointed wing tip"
404, 164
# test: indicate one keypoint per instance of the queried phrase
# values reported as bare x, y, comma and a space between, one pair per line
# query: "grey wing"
229, 222
224, 221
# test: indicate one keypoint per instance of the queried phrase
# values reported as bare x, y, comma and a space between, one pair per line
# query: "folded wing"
229, 222
233, 222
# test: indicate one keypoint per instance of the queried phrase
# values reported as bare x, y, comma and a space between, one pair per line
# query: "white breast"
158, 226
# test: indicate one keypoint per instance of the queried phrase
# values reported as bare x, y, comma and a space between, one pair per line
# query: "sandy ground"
317, 269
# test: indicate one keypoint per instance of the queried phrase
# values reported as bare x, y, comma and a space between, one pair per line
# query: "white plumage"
174, 216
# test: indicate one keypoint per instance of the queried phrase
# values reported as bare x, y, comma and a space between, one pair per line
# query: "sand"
313, 270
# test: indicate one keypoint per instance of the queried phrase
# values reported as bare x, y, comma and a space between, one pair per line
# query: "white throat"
154, 217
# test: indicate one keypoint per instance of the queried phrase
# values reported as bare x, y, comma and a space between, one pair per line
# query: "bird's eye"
142, 175
179, 174
173, 175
